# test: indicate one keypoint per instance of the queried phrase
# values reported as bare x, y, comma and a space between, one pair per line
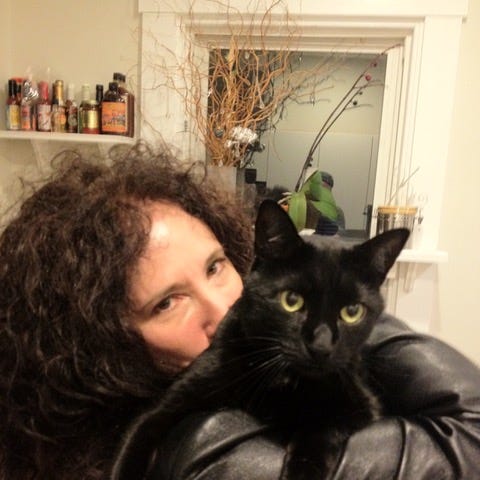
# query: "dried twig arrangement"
238, 93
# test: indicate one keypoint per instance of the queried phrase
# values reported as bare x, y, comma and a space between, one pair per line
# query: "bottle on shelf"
19, 82
84, 99
71, 110
44, 108
59, 117
89, 113
28, 119
120, 78
92, 111
114, 111
13, 106
99, 98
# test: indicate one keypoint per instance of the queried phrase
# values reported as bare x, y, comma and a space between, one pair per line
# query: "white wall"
459, 282
43, 33
81, 42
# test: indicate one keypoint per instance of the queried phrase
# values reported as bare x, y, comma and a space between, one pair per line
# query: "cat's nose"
322, 340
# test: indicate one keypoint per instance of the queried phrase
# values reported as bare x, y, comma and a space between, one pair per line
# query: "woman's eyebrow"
218, 252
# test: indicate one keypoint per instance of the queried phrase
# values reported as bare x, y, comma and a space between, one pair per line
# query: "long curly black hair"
72, 374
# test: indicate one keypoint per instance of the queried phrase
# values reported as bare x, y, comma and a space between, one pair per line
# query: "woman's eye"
353, 313
215, 267
163, 305
291, 301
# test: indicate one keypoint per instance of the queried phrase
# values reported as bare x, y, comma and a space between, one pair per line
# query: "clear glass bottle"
44, 108
59, 117
71, 110
28, 119
13, 106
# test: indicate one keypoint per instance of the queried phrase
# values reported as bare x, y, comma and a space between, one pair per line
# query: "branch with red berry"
348, 101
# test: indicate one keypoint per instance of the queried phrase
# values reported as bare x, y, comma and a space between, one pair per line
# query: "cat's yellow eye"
291, 301
353, 313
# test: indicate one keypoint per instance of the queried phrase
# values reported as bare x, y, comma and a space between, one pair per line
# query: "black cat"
289, 350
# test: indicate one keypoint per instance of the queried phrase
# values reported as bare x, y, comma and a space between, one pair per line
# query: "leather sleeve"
431, 430
226, 445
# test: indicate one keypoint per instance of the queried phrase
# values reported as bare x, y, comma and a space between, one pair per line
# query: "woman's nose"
213, 307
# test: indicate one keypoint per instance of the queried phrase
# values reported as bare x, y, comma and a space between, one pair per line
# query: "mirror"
349, 150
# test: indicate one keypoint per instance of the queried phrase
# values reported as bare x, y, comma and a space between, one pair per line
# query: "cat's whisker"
253, 356
266, 374
257, 365
262, 340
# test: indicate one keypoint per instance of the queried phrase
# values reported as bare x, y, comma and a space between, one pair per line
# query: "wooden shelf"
64, 137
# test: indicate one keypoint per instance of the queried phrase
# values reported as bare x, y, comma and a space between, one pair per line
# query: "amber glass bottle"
114, 112
129, 100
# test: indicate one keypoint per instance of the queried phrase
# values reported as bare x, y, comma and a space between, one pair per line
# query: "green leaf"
297, 209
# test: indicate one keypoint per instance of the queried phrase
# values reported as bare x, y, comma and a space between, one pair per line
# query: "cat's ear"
275, 233
379, 253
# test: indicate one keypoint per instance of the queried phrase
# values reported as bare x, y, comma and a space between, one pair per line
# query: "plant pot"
225, 177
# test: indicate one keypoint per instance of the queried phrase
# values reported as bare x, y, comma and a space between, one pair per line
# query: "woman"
113, 279
73, 364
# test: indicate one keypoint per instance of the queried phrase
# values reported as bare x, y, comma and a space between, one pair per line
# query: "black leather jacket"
432, 431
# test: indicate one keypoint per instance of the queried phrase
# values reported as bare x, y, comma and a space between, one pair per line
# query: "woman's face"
182, 287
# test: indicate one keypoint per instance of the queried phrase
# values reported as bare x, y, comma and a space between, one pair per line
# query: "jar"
90, 120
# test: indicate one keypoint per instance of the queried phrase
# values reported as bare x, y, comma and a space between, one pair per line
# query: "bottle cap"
12, 86
119, 77
85, 92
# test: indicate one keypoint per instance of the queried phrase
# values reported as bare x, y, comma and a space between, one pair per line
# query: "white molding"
345, 8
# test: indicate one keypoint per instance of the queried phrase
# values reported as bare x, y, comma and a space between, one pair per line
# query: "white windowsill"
410, 255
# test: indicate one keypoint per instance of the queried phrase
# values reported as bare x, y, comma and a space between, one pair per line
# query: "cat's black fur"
301, 370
